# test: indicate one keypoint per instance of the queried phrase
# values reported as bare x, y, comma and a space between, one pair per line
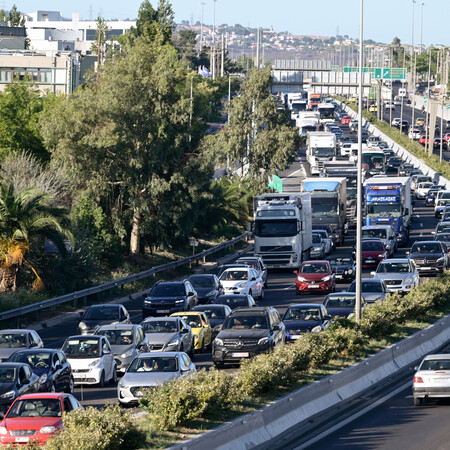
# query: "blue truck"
387, 201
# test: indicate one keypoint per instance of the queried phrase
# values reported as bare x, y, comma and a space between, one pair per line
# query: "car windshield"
13, 340
443, 226
435, 364
118, 337
424, 185
325, 151
233, 301
372, 246
168, 290
193, 320
374, 233
426, 248
340, 261
160, 326
394, 267
316, 238
154, 364
303, 314
38, 360
8, 374
342, 301
322, 233
214, 313
82, 348
241, 322
202, 281
45, 407
251, 263
101, 313
233, 274
314, 268
442, 237
367, 286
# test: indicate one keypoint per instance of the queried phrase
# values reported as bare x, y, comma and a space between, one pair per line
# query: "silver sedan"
398, 275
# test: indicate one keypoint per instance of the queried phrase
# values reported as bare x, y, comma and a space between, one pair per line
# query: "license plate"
22, 439
163, 311
296, 336
79, 376
425, 268
139, 394
276, 266
240, 355
339, 276
441, 380
313, 286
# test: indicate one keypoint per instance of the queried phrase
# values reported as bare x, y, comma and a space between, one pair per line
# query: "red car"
373, 251
35, 417
315, 276
346, 120
424, 139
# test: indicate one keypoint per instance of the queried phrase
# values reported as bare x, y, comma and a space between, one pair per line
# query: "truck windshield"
324, 209
384, 210
297, 107
275, 228
371, 161
351, 192
324, 151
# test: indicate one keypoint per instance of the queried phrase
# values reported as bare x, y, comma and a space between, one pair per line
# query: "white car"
255, 262
326, 240
91, 359
398, 275
242, 280
422, 189
152, 369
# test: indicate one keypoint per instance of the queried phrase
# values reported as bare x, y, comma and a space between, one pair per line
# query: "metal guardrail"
35, 307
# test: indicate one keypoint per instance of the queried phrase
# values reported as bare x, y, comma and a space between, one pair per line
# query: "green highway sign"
334, 68
425, 98
387, 73
447, 106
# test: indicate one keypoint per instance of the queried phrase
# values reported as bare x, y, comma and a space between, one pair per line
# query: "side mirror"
276, 328
327, 318
407, 211
58, 367
184, 331
24, 382
2, 415
295, 271
106, 352
253, 278
190, 293
372, 273
407, 253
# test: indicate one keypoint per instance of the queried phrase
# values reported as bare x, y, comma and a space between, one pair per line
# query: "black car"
51, 366
248, 332
343, 267
341, 304
430, 257
236, 300
393, 164
216, 315
16, 379
167, 297
97, 315
305, 318
430, 198
208, 287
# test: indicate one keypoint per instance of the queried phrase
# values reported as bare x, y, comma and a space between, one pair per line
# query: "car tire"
261, 296
191, 354
101, 383
417, 401
113, 379
70, 387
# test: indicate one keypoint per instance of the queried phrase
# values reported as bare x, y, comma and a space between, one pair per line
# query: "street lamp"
359, 179
413, 66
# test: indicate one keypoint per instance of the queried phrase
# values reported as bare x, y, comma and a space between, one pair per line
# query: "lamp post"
413, 66
421, 26
359, 179
201, 28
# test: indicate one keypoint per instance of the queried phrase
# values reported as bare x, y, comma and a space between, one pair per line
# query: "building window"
45, 76
5, 76
90, 35
114, 34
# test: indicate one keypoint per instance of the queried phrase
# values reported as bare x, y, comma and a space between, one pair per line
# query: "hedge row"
178, 401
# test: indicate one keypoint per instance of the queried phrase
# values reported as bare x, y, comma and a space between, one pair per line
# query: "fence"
110, 286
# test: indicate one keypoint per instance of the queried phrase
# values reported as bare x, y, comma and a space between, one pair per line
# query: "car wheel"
261, 296
101, 383
113, 379
191, 354
417, 401
70, 386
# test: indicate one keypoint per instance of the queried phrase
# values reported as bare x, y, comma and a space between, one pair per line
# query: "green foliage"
102, 33
20, 108
14, 18
93, 429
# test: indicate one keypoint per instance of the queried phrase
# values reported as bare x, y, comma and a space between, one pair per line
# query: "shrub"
110, 428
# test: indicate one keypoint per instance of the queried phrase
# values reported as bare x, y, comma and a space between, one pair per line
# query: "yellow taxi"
200, 327
420, 121
352, 99
373, 108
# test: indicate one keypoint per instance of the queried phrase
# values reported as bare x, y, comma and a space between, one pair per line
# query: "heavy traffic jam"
304, 252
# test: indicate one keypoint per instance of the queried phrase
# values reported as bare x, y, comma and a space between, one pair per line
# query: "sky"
383, 19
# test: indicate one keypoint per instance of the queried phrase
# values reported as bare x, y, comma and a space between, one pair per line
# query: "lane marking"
293, 173
354, 416
289, 287
421, 225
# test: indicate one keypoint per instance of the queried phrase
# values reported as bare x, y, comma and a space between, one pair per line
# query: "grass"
163, 439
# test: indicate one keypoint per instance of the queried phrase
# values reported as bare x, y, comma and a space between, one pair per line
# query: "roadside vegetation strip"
400, 138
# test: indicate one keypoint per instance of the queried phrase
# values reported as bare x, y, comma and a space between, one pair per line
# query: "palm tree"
24, 218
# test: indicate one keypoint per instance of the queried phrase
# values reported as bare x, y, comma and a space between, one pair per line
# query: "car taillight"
418, 380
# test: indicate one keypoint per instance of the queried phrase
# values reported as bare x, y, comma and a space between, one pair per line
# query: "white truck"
282, 229
320, 147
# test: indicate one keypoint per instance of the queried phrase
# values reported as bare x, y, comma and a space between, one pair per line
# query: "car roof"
305, 305
255, 310
105, 305
199, 275
42, 395
14, 330
154, 319
85, 336
438, 356
117, 326
372, 240
37, 350
316, 261
338, 294
249, 258
150, 355
185, 313
366, 227
208, 306
13, 364
232, 296
395, 260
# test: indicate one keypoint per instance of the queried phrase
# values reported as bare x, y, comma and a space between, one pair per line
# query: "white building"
50, 31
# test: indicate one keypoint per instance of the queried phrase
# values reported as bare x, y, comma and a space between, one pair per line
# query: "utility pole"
201, 28
99, 53
421, 26
403, 97
413, 65
258, 39
223, 58
427, 122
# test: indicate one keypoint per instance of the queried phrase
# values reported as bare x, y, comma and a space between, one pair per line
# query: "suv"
169, 297
248, 332
430, 257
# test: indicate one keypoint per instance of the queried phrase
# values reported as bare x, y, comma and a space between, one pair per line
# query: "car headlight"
43, 378
317, 249
379, 299
440, 261
9, 394
179, 301
263, 341
381, 255
350, 271
82, 325
173, 343
242, 285
3, 431
316, 329
210, 293
327, 278
123, 386
218, 341
48, 429
303, 280
94, 363
147, 301
127, 354
408, 280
